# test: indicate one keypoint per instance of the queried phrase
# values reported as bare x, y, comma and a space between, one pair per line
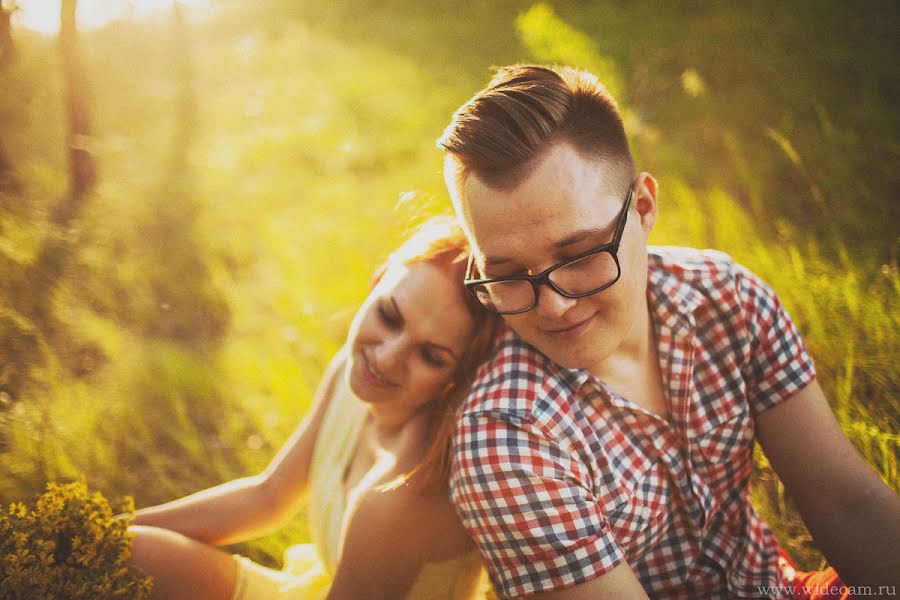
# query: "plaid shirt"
558, 478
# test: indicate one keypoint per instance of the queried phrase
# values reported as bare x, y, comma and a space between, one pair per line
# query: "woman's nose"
390, 353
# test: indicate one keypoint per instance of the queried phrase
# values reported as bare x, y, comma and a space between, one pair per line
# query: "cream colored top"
454, 579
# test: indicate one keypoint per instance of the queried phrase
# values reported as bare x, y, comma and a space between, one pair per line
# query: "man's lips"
373, 375
571, 330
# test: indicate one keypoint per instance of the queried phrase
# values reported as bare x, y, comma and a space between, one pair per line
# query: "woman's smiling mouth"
373, 375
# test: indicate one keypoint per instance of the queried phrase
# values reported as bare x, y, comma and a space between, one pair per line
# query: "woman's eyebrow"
396, 306
430, 344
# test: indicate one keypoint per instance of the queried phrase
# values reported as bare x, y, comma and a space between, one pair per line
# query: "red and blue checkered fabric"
559, 479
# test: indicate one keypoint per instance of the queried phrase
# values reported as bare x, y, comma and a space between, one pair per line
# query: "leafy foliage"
68, 546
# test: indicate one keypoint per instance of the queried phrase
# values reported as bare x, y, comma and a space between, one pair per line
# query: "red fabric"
818, 585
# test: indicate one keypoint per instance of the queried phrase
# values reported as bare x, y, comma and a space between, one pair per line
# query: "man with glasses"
605, 450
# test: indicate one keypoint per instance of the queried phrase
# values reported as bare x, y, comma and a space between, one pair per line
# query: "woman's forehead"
431, 299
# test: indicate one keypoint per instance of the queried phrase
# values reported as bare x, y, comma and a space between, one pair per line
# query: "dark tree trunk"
9, 180
36, 330
53, 256
7, 49
82, 167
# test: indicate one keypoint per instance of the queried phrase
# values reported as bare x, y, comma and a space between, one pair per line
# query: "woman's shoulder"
396, 506
421, 520
396, 529
393, 536
427, 509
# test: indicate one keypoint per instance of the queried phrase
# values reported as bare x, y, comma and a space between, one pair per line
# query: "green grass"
242, 208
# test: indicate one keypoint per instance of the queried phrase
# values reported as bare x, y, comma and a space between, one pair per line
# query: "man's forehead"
562, 195
559, 171
510, 237
490, 217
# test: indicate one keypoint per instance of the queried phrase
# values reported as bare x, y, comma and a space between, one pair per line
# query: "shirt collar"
671, 299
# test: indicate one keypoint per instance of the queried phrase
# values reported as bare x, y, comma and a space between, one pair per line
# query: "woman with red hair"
372, 456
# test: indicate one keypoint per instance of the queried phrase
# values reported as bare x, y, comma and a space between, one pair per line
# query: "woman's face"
408, 336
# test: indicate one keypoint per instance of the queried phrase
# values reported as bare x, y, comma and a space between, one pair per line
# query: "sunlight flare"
43, 15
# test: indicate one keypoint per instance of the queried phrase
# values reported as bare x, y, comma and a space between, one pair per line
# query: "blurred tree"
82, 166
186, 308
9, 180
28, 327
144, 276
44, 273
7, 48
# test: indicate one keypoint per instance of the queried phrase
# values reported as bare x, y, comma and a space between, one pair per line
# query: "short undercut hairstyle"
503, 131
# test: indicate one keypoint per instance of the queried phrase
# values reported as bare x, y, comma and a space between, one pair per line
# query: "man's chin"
566, 360
574, 354
563, 356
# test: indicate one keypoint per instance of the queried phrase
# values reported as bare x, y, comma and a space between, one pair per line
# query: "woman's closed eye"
432, 358
388, 316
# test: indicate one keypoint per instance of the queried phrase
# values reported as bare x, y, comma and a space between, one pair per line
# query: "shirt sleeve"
778, 365
528, 506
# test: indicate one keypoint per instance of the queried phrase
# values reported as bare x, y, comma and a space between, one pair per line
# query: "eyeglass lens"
582, 277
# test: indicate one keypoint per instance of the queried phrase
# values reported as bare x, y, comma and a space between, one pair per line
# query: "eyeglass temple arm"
617, 238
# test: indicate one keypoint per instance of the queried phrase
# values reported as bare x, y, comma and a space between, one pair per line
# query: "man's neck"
637, 346
632, 371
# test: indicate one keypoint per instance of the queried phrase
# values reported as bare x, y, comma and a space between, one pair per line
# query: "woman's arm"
224, 514
251, 506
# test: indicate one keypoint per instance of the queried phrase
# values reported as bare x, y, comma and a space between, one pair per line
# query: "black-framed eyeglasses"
588, 273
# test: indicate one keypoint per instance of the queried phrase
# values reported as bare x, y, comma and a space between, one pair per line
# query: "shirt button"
646, 512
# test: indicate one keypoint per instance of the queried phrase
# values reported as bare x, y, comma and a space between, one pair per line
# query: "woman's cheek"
427, 386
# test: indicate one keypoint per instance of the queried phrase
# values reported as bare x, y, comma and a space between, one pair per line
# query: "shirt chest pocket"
633, 495
721, 453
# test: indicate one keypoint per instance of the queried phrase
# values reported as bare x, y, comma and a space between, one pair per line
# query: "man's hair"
501, 133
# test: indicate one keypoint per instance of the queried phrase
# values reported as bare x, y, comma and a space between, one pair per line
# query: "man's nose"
551, 304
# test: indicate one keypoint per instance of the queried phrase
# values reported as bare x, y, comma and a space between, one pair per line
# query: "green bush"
68, 546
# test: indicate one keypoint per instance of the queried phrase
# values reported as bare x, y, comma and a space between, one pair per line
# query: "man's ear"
644, 201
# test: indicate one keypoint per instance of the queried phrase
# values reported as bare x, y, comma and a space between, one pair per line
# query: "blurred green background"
254, 166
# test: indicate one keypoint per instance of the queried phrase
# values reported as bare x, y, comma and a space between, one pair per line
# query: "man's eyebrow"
493, 261
598, 234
